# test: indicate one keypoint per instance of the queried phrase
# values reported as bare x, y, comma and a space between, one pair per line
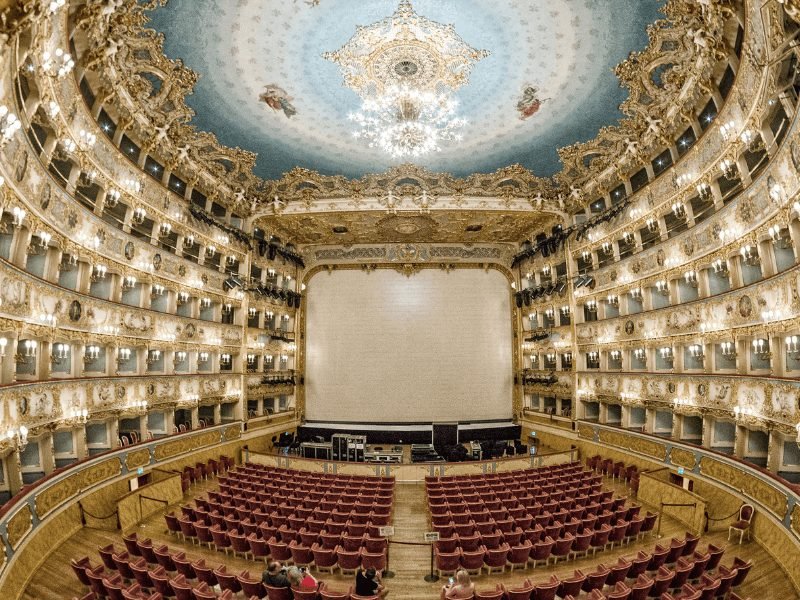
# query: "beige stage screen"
383, 347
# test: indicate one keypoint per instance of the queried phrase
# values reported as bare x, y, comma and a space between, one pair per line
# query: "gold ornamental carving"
586, 431
683, 458
176, 447
57, 494
137, 458
101, 472
755, 488
634, 443
19, 525
234, 432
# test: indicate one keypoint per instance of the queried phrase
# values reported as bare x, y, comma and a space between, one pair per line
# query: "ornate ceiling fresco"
264, 85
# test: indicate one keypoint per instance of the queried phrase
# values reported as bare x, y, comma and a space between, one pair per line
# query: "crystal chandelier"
405, 68
407, 123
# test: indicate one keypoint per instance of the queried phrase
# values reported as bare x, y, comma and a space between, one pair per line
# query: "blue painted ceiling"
565, 49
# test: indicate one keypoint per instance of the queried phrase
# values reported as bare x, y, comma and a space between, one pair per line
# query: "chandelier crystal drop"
406, 68
408, 123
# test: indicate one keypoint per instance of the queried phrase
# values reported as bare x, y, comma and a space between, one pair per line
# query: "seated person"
462, 587
368, 583
275, 576
302, 579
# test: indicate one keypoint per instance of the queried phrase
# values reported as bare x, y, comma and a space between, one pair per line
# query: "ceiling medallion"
406, 68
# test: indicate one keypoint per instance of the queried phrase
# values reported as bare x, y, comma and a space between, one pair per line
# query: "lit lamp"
18, 437
612, 300
728, 349
793, 346
761, 349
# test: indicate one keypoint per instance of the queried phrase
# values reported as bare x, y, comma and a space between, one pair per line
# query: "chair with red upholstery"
146, 549
325, 593
305, 594
640, 588
183, 566
181, 588
676, 548
301, 555
620, 591
106, 554
446, 563
619, 571
79, 566
563, 547
742, 569
691, 543
581, 544
227, 581
743, 522
725, 576
519, 554
141, 573
258, 547
251, 587
600, 538
164, 558
239, 544
648, 525
546, 590
131, 544
279, 550
663, 581
496, 558
348, 562
472, 560
203, 533
619, 532
597, 579
571, 586
122, 561
683, 567
658, 558
324, 558
709, 586
492, 540
205, 573
351, 542
716, 556
161, 581
373, 560
495, 594
113, 585
274, 593
541, 551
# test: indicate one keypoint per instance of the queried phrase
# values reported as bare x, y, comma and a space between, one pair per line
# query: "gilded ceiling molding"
120, 49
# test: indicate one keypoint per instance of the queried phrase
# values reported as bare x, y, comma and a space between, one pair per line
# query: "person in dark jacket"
368, 583
275, 576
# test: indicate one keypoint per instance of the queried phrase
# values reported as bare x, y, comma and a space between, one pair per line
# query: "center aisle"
410, 563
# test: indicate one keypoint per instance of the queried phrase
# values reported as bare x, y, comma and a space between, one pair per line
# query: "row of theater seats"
158, 573
201, 471
691, 576
618, 471
329, 521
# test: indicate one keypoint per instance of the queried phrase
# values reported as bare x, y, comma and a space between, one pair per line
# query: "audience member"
275, 576
302, 579
368, 583
462, 587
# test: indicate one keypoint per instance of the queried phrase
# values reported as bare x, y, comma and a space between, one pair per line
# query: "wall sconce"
615, 355
59, 353
636, 294
157, 290
18, 437
628, 238
586, 256
230, 260
90, 354
780, 236
720, 267
128, 282
202, 357
68, 262
728, 349
271, 273
188, 241
662, 287
545, 271
566, 359
183, 298
704, 191
640, 354
112, 197
696, 352
565, 310
251, 360
728, 168
666, 352
652, 225
139, 406
9, 125
606, 247
164, 229
18, 216
691, 278
549, 313
225, 359
593, 356
679, 210
727, 130
205, 303
591, 306
153, 356
179, 358
793, 346
78, 416
123, 355
749, 255
139, 215
776, 192
44, 239
761, 349
211, 251
98, 273
28, 352
252, 312
612, 300
227, 308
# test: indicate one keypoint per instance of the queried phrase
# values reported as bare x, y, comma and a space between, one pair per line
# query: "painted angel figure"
277, 99
530, 103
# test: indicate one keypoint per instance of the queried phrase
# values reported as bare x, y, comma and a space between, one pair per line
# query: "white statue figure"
631, 146
161, 132
653, 125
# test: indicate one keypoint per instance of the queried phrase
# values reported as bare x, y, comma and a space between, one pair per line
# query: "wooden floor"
410, 564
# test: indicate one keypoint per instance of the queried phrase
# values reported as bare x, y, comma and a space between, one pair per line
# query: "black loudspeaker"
518, 299
557, 229
272, 251
297, 300
262, 247
527, 297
